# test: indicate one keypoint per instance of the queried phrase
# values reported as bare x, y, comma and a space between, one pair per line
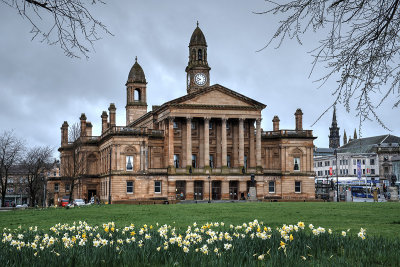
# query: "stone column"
223, 143
252, 155
171, 141
188, 142
258, 142
206, 142
241, 142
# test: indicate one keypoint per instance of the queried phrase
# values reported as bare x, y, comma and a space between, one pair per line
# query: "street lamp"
209, 189
337, 178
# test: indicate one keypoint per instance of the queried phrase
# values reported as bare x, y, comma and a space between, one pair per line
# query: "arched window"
137, 96
200, 55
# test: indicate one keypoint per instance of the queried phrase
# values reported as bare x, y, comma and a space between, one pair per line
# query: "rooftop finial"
136, 59
197, 23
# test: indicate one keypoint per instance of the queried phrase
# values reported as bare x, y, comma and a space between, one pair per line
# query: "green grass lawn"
378, 218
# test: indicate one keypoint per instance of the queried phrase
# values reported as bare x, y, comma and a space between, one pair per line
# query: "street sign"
359, 169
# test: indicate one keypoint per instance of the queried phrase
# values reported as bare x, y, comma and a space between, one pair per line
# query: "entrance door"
233, 190
180, 190
198, 190
216, 190
91, 193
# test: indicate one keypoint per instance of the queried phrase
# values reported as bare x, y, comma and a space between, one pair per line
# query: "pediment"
216, 97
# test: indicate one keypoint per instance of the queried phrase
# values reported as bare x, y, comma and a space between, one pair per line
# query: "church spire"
334, 137
355, 134
344, 138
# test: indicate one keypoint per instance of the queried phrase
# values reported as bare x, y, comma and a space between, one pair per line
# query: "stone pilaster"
171, 142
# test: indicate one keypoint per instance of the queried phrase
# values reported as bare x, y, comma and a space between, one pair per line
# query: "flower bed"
211, 244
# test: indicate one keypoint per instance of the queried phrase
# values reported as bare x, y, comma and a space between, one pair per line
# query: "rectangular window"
56, 187
354, 162
211, 161
55, 173
67, 187
363, 161
271, 187
210, 125
129, 163
341, 171
245, 161
176, 161
372, 171
175, 125
228, 161
157, 187
296, 166
363, 171
194, 161
129, 187
372, 161
297, 187
354, 171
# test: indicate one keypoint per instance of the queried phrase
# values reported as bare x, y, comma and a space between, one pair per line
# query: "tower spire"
344, 138
334, 137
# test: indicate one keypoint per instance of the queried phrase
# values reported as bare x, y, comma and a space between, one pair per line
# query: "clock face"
200, 79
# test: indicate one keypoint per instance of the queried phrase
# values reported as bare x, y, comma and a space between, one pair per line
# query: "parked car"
22, 206
79, 202
64, 201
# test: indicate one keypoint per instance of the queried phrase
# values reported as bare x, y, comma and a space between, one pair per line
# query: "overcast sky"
40, 87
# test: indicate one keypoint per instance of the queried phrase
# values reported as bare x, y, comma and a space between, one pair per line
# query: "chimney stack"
64, 134
299, 120
112, 109
83, 124
275, 123
89, 127
104, 118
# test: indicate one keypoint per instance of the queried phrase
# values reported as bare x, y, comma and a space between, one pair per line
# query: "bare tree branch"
67, 23
362, 47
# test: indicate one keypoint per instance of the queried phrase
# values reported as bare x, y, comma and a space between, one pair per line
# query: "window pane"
129, 187
157, 186
297, 187
297, 164
271, 187
129, 163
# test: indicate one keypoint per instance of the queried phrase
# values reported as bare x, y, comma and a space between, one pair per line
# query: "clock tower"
198, 71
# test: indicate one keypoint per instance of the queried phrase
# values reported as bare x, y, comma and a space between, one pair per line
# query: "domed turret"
198, 38
136, 75
136, 104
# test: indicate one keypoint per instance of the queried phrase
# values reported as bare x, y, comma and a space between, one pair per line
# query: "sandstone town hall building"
206, 144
